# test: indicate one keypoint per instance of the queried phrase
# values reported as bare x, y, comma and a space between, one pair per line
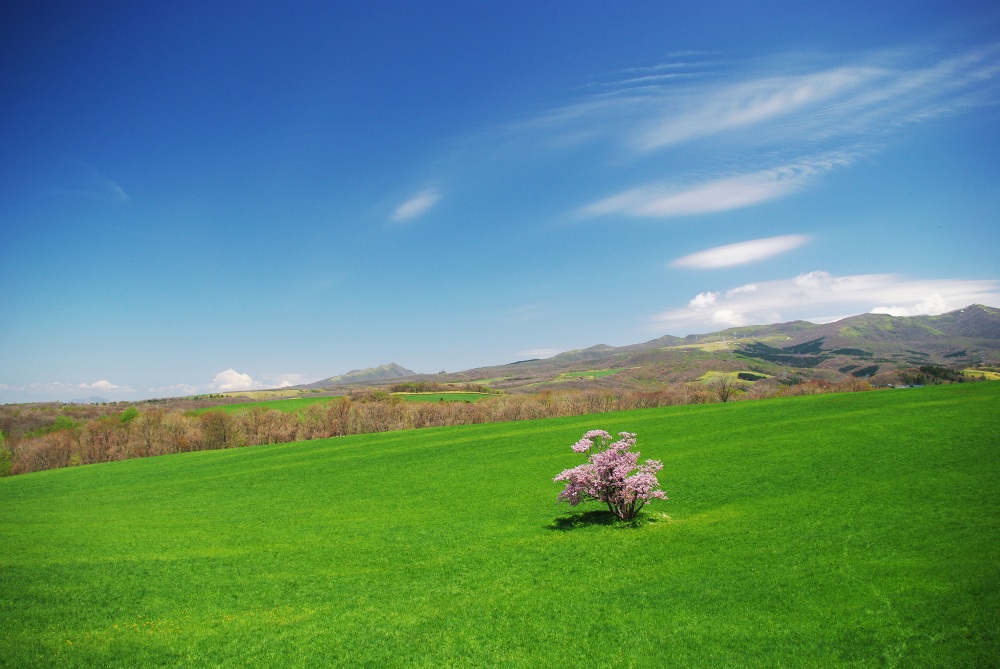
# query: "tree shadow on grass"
592, 518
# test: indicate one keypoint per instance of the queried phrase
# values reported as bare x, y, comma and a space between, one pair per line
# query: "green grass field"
856, 530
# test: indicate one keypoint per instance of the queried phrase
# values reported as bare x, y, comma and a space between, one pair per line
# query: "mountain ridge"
860, 345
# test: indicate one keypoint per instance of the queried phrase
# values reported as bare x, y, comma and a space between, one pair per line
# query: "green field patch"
981, 373
710, 376
843, 530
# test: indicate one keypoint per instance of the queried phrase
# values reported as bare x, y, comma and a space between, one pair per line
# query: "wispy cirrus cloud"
800, 98
713, 110
741, 253
822, 297
767, 135
416, 206
721, 194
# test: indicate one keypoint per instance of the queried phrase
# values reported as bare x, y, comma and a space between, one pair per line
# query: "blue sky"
207, 196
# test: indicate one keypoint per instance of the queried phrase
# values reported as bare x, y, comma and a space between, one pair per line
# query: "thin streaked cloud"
721, 194
416, 206
708, 112
741, 253
806, 116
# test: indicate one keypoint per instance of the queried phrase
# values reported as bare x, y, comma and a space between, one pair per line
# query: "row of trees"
135, 433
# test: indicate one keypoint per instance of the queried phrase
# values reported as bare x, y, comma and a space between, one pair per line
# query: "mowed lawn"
856, 530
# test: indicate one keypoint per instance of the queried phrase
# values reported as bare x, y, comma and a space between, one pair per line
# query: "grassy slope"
849, 530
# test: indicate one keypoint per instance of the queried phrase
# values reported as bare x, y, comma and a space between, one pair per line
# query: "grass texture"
853, 530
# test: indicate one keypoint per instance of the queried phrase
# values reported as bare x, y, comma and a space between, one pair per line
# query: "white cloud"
723, 194
812, 295
61, 391
417, 205
728, 318
804, 106
741, 253
100, 385
743, 104
875, 93
929, 306
748, 288
703, 301
230, 379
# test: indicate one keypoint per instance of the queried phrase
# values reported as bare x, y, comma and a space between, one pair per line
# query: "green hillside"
854, 530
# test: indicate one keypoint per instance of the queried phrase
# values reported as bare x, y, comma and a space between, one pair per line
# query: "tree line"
49, 437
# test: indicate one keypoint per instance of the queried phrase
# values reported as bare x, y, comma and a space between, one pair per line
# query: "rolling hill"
849, 530
862, 346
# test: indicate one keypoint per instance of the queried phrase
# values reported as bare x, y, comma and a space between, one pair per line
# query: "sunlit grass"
982, 374
837, 530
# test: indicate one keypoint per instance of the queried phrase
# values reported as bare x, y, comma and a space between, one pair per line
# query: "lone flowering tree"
608, 475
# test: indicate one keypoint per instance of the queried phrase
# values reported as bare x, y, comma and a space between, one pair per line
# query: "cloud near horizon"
60, 390
822, 297
741, 253
228, 380
102, 384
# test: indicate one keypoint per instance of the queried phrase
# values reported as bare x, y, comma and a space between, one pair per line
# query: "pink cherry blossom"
608, 476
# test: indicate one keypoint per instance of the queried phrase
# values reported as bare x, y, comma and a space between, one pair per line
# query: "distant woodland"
48, 436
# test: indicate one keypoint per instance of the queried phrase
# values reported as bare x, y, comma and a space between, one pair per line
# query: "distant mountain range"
860, 346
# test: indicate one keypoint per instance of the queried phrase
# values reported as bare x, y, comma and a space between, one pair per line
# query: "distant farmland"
831, 530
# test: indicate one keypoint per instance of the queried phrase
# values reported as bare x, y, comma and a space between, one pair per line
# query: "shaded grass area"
851, 530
